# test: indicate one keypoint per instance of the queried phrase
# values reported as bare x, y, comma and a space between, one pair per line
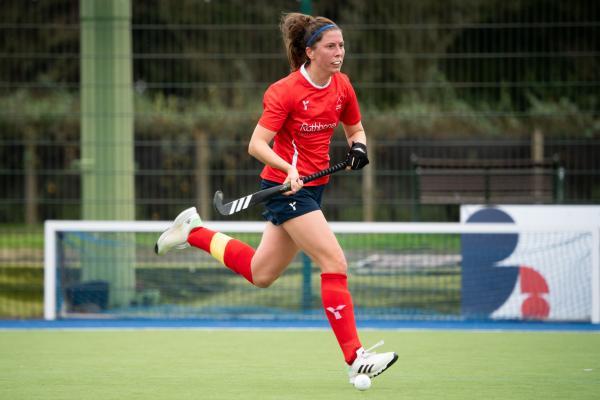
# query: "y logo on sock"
336, 311
293, 205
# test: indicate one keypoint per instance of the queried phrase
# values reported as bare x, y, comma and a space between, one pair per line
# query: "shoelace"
369, 351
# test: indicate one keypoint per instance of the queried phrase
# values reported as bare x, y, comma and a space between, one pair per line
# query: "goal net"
397, 271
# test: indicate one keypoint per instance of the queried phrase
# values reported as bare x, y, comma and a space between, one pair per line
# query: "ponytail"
300, 31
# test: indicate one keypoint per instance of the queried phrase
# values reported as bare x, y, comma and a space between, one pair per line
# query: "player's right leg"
261, 267
176, 236
274, 253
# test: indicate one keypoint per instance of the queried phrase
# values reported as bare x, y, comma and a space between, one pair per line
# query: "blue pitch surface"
294, 324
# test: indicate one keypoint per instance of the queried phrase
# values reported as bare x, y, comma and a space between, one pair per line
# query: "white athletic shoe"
370, 363
177, 234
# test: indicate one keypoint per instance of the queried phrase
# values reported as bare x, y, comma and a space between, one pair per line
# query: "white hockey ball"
362, 382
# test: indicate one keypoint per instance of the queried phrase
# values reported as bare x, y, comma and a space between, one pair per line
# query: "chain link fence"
477, 80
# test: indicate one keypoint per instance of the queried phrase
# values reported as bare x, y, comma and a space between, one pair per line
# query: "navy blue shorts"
281, 208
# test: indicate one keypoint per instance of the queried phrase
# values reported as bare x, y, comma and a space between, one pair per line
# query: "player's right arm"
260, 149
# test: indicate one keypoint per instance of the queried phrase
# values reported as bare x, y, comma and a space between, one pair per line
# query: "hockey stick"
242, 203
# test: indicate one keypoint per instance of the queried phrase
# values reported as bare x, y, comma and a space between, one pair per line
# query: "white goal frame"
51, 227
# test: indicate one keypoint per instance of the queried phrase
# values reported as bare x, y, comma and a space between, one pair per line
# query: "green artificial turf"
294, 364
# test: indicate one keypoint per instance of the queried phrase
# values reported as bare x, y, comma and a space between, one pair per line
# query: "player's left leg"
312, 234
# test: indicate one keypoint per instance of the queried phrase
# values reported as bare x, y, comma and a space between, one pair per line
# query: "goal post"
397, 271
52, 228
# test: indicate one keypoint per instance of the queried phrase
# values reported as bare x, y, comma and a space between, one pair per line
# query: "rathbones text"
316, 126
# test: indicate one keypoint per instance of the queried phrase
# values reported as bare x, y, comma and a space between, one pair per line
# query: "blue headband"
313, 37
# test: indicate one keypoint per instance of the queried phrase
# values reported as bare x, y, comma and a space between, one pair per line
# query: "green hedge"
56, 116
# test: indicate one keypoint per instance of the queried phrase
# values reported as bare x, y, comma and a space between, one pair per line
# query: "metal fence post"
306, 283
107, 151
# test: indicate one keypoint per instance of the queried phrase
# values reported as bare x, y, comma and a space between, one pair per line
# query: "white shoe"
370, 363
177, 234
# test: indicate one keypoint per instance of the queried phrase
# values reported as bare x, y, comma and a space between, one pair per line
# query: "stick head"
218, 203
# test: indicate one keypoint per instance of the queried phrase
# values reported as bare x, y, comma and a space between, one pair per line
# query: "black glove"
357, 156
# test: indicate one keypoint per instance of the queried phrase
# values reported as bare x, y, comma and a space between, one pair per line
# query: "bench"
491, 181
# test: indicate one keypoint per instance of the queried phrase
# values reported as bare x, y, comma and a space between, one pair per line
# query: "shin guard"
337, 302
234, 254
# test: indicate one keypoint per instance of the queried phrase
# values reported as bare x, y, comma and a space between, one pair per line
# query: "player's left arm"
355, 133
357, 140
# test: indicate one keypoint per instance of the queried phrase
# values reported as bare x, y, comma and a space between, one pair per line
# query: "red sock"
337, 302
234, 254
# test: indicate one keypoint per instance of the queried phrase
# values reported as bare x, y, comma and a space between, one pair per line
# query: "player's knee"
263, 281
337, 265
341, 267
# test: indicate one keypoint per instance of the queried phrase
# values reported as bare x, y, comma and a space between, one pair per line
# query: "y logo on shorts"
293, 205
336, 311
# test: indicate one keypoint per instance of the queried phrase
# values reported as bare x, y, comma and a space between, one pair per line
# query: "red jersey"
304, 116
